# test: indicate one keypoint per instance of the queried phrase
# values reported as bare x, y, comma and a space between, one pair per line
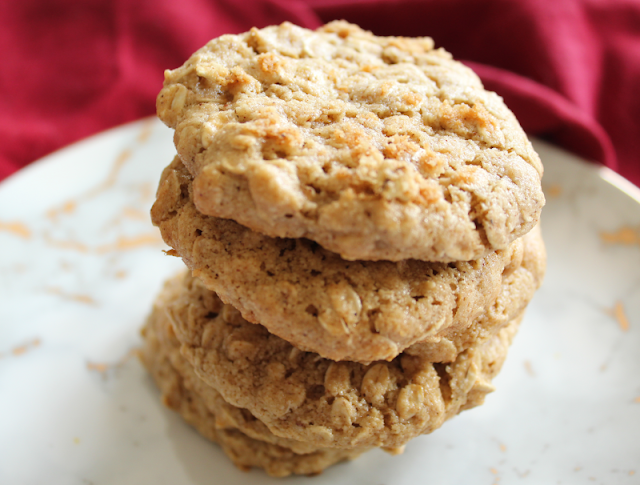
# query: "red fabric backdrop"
569, 69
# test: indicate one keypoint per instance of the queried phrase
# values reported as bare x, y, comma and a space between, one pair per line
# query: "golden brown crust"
301, 396
374, 147
359, 311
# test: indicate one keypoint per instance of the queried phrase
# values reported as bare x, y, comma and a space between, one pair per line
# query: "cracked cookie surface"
377, 148
301, 396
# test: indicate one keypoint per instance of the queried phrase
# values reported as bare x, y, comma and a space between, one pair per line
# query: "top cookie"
377, 148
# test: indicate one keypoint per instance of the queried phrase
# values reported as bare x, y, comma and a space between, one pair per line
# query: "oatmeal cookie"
245, 451
302, 396
377, 148
344, 310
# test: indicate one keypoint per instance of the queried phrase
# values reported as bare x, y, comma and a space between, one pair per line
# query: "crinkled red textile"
569, 69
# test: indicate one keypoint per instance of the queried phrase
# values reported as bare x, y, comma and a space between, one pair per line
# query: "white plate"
79, 267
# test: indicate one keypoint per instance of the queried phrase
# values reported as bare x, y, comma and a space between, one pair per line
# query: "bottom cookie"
245, 452
304, 397
245, 437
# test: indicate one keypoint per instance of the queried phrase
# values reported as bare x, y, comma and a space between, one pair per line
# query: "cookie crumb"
398, 450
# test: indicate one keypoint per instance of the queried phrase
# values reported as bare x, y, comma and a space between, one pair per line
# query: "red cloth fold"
568, 69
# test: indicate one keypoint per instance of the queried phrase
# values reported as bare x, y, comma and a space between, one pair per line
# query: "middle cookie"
359, 311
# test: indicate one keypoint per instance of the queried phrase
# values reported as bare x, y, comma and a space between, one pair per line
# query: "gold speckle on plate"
99, 367
103, 367
553, 191
16, 228
68, 207
626, 235
125, 243
112, 178
619, 314
137, 214
529, 368
145, 131
67, 245
146, 192
86, 299
21, 349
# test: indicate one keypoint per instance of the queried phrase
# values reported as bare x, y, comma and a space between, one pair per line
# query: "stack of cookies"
360, 221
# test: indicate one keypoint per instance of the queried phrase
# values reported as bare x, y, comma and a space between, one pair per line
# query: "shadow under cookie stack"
360, 222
